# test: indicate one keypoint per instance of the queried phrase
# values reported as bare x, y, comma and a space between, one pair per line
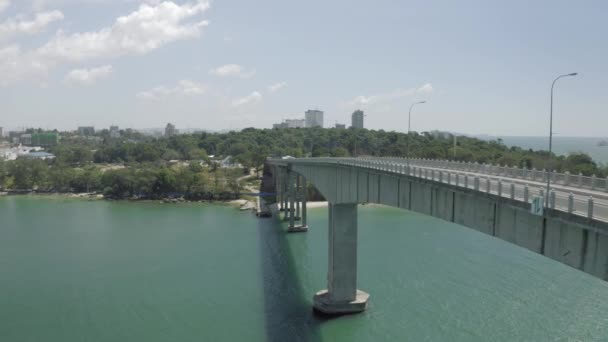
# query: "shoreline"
241, 203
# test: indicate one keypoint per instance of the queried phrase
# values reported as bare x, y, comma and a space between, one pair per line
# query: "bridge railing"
491, 181
565, 179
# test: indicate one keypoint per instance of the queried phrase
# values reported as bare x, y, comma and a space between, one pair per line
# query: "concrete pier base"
297, 229
341, 296
323, 303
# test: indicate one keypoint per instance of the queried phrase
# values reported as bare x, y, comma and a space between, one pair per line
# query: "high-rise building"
1, 132
170, 130
114, 132
314, 118
86, 130
357, 119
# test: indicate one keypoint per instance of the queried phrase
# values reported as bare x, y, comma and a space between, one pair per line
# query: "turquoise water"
563, 145
108, 271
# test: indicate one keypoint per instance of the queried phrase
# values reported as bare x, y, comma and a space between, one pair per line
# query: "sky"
484, 67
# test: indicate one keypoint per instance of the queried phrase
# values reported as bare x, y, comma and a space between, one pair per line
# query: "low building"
295, 123
40, 155
230, 162
340, 126
25, 139
45, 139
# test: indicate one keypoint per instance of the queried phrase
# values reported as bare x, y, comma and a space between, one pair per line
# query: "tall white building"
357, 119
314, 118
1, 132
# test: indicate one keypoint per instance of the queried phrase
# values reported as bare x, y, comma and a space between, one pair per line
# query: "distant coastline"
561, 145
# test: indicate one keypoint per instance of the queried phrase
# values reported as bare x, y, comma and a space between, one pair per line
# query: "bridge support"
280, 189
342, 296
297, 195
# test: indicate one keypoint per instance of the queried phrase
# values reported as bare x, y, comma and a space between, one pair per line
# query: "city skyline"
484, 68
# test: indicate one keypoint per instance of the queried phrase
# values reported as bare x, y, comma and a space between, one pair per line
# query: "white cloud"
145, 30
249, 99
277, 86
89, 76
184, 87
232, 70
4, 4
19, 25
15, 65
424, 90
150, 27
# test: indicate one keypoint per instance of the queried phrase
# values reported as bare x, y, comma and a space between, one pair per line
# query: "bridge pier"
280, 183
341, 296
296, 196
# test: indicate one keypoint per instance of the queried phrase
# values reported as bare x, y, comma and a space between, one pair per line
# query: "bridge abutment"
341, 295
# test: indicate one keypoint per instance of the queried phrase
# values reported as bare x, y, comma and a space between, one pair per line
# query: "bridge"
496, 200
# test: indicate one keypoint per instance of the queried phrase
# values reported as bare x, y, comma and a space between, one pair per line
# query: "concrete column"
512, 191
488, 185
552, 199
292, 200
304, 199
567, 178
342, 296
278, 186
593, 178
580, 179
499, 187
590, 207
466, 180
295, 212
476, 183
526, 193
285, 196
298, 196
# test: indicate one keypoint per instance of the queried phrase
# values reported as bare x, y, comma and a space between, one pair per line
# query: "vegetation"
146, 167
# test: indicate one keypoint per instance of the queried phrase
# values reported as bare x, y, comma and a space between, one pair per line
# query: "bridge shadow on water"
287, 307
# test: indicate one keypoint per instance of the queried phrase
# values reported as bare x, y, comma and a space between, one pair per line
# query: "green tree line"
146, 171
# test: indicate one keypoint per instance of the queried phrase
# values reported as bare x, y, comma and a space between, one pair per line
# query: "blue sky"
485, 67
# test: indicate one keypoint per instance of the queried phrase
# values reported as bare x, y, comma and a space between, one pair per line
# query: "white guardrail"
502, 181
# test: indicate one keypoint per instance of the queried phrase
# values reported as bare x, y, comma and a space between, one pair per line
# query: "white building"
314, 118
295, 123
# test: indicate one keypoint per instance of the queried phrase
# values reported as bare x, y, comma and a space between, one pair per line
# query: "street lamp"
551, 138
409, 125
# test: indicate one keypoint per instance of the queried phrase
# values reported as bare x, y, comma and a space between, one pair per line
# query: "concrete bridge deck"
572, 230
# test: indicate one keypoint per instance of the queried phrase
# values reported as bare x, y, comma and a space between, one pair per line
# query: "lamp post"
409, 125
551, 139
